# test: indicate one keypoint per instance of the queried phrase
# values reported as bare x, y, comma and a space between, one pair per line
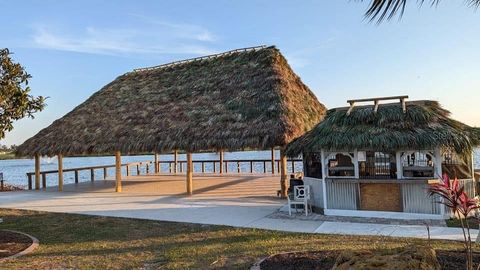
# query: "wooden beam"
273, 160
283, 174
189, 173
156, 165
60, 172
376, 98
175, 161
118, 171
37, 171
221, 161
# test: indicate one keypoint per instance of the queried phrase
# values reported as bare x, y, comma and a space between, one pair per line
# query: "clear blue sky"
72, 49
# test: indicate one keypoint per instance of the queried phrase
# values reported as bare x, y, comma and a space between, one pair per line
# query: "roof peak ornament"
376, 102
175, 63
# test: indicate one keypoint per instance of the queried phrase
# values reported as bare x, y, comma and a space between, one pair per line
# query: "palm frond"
386, 9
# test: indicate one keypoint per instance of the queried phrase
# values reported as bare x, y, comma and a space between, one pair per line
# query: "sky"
74, 48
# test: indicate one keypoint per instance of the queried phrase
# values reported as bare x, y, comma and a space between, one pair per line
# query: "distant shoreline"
8, 155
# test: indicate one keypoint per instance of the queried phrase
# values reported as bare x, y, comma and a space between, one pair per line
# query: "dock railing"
148, 167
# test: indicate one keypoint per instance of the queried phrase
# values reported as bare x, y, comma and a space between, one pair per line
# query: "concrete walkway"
226, 206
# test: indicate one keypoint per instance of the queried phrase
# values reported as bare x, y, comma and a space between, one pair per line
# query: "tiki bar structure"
376, 158
242, 99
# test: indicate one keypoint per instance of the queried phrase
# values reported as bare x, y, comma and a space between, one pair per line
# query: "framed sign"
362, 156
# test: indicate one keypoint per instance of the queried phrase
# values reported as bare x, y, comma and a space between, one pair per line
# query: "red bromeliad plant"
454, 197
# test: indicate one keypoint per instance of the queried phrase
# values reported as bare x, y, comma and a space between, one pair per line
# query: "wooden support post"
221, 161
283, 174
138, 169
175, 161
76, 177
273, 160
37, 172
278, 166
214, 167
92, 175
226, 166
264, 167
118, 171
404, 105
293, 165
60, 172
251, 166
189, 173
157, 165
203, 167
352, 104
105, 173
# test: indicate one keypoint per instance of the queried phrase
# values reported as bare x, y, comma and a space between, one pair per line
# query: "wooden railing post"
138, 169
264, 167
221, 162
118, 171
76, 176
44, 181
30, 186
214, 167
175, 161
60, 172
147, 168
128, 170
238, 167
251, 166
37, 172
293, 165
155, 160
273, 160
105, 173
226, 166
92, 175
203, 167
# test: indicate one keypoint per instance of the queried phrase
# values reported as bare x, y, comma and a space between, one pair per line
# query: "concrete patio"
233, 200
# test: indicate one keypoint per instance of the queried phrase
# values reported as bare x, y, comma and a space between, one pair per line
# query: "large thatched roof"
247, 98
424, 126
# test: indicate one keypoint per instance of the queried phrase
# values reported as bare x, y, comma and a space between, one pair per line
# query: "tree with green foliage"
387, 9
15, 99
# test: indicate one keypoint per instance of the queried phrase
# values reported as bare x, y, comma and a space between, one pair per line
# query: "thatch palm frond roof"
423, 126
241, 99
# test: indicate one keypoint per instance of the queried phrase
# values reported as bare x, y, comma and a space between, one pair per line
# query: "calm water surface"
14, 171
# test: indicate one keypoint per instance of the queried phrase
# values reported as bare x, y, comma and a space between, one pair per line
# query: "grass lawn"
84, 242
472, 222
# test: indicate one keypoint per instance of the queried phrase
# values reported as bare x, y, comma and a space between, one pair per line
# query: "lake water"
14, 171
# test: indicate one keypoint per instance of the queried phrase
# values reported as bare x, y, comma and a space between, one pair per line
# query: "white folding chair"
301, 196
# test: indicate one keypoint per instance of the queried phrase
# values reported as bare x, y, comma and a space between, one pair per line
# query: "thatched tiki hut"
373, 159
246, 98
